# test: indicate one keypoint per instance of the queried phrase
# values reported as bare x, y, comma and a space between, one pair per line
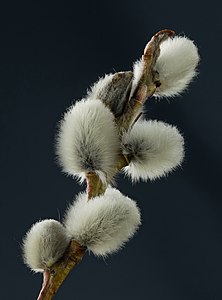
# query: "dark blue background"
50, 54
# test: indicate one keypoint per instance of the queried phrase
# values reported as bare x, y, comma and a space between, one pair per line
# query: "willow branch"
54, 276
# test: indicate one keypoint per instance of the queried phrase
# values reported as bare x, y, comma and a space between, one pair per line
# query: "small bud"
103, 224
113, 90
176, 66
153, 148
87, 140
44, 244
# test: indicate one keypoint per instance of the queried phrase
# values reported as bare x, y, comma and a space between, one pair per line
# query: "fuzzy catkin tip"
87, 140
44, 244
98, 89
154, 148
103, 224
138, 67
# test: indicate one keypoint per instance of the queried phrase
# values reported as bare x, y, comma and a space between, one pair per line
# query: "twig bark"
54, 277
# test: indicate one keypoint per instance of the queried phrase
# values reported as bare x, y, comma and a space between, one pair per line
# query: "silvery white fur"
176, 66
154, 148
44, 244
103, 223
88, 140
98, 88
137, 74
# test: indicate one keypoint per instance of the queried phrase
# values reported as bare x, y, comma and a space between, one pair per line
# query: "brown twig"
95, 186
55, 276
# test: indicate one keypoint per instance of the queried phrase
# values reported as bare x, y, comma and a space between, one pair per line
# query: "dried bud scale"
114, 91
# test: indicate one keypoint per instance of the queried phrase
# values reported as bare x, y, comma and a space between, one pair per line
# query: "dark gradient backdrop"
50, 54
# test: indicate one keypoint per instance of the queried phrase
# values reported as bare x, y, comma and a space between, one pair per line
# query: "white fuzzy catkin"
155, 148
44, 244
88, 140
176, 66
103, 223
